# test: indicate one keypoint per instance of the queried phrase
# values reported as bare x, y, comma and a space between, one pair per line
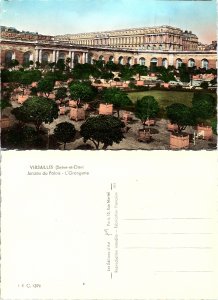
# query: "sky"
55, 17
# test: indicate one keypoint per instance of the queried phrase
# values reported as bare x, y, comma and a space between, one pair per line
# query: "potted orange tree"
181, 115
204, 112
146, 110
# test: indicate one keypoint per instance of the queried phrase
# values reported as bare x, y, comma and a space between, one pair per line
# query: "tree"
111, 66
183, 73
65, 132
102, 129
46, 86
180, 114
84, 71
116, 97
146, 108
13, 63
5, 102
140, 70
23, 137
37, 110
61, 93
203, 106
204, 85
126, 73
25, 79
82, 91
166, 75
60, 64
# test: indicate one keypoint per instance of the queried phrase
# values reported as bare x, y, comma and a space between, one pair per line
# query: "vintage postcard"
105, 75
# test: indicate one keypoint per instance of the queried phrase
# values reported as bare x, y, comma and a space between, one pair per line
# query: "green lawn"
164, 98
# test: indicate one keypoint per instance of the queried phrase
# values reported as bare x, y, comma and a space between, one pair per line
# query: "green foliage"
146, 108
61, 93
107, 75
184, 73
203, 106
111, 66
102, 129
83, 71
204, 85
132, 85
214, 81
214, 125
34, 91
116, 97
126, 73
23, 77
37, 110
13, 63
46, 86
166, 75
82, 91
65, 132
56, 75
140, 70
5, 103
5, 75
60, 64
20, 137
180, 114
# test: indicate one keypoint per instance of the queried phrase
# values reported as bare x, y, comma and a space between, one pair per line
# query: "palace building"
146, 38
161, 46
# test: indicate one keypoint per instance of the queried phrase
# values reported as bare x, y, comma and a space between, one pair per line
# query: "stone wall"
87, 54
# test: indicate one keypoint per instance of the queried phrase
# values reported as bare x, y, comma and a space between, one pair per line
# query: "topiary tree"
102, 129
82, 91
140, 70
37, 110
64, 132
181, 115
203, 107
46, 86
116, 97
146, 108
61, 93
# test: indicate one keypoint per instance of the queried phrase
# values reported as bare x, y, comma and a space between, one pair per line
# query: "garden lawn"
164, 98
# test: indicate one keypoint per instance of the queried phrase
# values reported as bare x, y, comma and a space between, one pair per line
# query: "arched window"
27, 57
153, 64
120, 60
165, 62
90, 58
101, 57
204, 63
76, 59
154, 60
129, 60
178, 63
45, 56
142, 61
191, 63
9, 55
61, 55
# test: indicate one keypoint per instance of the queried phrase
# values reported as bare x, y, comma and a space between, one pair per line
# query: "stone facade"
147, 38
50, 50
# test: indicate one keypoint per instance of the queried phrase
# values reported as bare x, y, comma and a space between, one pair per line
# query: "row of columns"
55, 56
133, 40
